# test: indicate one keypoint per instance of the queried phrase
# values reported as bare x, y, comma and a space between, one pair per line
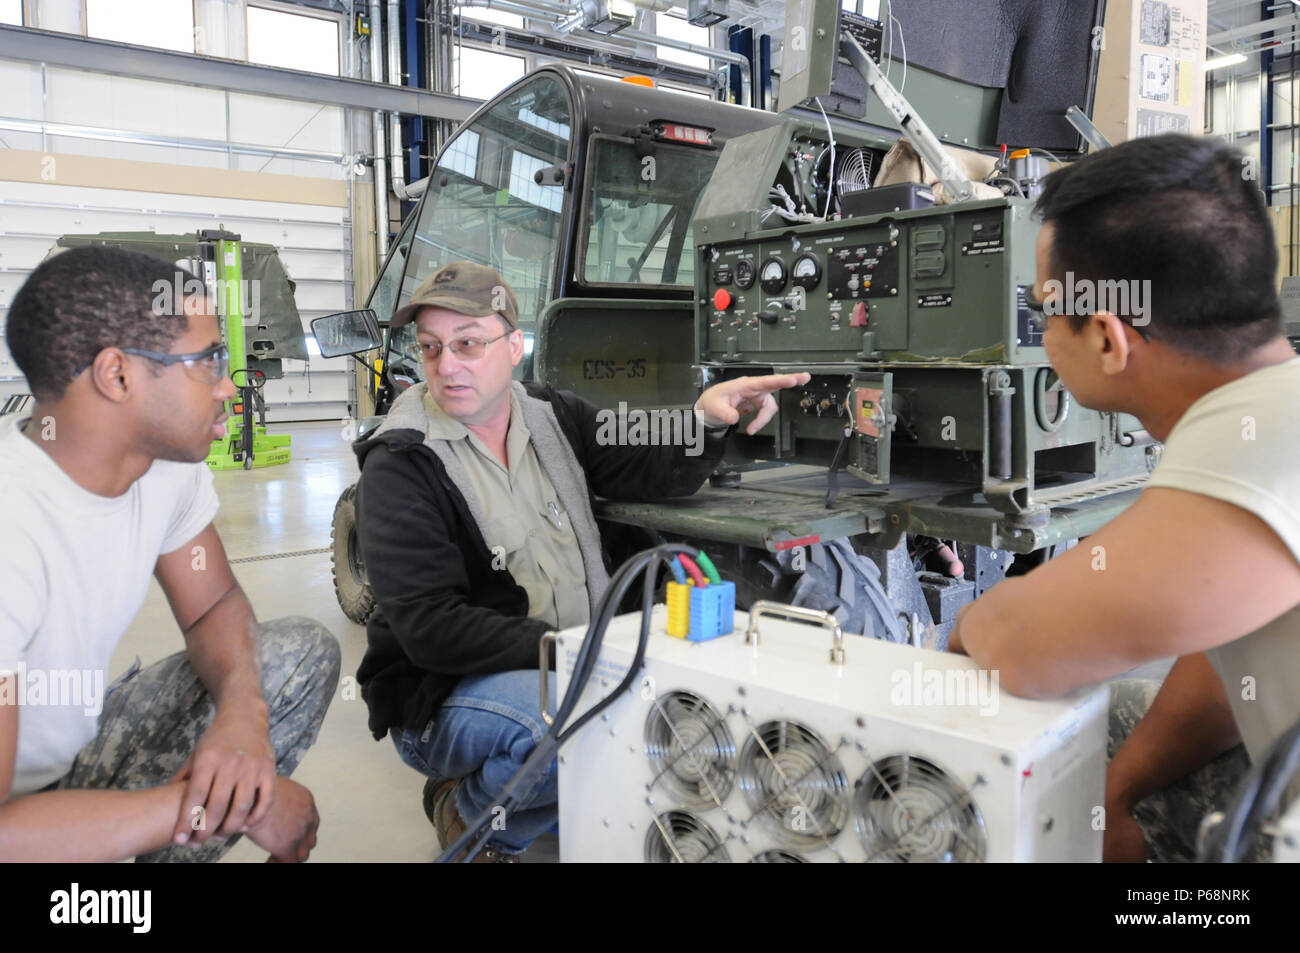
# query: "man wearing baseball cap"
477, 531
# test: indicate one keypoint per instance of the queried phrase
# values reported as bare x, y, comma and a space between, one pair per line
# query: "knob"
721, 299
768, 317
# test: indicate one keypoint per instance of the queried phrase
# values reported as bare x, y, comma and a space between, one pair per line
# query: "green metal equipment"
257, 316
246, 443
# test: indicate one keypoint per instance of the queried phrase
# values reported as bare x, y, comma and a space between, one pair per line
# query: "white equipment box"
778, 752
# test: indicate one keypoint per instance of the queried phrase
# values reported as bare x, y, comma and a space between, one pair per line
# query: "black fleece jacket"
442, 612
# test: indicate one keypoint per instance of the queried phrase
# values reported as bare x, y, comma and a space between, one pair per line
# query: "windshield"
383, 297
638, 217
484, 204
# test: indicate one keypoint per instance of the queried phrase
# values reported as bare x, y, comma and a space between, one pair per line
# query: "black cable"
833, 473
1257, 796
585, 663
521, 786
540, 759
638, 661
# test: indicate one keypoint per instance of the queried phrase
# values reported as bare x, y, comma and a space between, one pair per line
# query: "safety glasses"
209, 366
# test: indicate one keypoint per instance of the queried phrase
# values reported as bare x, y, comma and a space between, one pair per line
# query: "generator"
788, 742
926, 361
905, 300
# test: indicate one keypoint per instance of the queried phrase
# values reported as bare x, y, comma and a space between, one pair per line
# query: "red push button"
722, 299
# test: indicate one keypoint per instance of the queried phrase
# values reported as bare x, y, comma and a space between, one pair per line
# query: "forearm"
1001, 632
222, 647
467, 640
88, 826
1189, 723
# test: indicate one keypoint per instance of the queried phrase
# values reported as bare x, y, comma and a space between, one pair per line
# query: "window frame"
337, 19
85, 26
582, 234
525, 58
556, 279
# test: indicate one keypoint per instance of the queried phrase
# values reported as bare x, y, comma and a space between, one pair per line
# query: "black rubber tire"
351, 587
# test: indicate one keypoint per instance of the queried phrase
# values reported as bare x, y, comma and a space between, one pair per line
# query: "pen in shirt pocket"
554, 514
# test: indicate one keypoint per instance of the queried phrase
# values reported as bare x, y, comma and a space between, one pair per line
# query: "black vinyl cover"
1039, 52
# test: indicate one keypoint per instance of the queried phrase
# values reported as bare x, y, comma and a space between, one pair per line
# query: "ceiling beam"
167, 66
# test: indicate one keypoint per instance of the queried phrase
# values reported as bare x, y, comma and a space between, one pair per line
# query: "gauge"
773, 276
744, 273
806, 272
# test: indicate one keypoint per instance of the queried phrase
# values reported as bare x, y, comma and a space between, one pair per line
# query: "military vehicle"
658, 243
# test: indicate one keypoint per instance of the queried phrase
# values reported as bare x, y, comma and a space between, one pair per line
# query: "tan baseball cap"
464, 286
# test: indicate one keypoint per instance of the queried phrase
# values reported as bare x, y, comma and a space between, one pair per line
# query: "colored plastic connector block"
679, 609
713, 611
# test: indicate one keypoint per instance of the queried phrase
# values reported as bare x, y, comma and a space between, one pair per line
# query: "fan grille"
690, 749
777, 857
679, 837
853, 170
910, 810
792, 780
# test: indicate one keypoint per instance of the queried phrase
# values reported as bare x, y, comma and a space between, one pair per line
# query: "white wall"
33, 216
71, 112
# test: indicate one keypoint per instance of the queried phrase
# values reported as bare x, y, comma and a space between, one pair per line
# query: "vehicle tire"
351, 586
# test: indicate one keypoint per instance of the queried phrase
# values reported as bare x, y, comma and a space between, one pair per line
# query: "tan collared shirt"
526, 526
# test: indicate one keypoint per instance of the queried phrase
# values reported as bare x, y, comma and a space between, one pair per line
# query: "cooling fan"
763, 750
794, 784
690, 748
679, 837
911, 810
853, 170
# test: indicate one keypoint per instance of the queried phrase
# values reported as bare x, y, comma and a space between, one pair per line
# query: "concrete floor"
275, 524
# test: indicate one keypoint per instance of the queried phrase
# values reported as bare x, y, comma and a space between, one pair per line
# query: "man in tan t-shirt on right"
1205, 565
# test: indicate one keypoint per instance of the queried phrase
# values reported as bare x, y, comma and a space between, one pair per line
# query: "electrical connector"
713, 611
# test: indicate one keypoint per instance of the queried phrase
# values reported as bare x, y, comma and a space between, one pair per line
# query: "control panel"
923, 285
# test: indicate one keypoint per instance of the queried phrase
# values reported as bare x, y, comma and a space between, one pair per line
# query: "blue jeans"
482, 734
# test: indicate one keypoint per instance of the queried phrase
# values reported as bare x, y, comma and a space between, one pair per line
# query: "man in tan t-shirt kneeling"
1205, 565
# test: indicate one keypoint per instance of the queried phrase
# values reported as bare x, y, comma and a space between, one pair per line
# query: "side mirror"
348, 332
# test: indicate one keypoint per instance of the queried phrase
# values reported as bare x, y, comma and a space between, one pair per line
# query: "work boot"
440, 805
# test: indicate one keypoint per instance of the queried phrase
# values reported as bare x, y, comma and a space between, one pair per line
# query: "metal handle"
824, 619
544, 683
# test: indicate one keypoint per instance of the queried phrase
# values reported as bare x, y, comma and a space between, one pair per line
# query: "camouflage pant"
1170, 818
153, 718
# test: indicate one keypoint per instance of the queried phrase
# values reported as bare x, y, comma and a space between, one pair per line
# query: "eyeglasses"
210, 365
467, 349
1038, 315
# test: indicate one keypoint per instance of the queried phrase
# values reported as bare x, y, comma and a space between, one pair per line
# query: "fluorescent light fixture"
706, 12
609, 16
1232, 59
